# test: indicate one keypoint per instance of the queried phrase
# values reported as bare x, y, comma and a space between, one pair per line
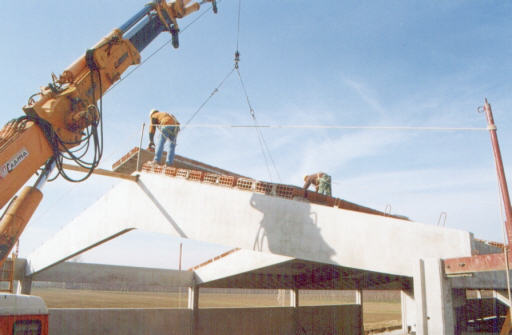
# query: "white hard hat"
152, 111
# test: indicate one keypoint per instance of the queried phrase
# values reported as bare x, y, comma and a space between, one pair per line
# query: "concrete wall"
119, 321
347, 319
247, 321
255, 321
333, 320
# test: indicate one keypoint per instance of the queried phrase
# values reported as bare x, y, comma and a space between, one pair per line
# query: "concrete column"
193, 297
294, 297
359, 301
438, 300
294, 302
359, 297
193, 304
420, 298
25, 286
281, 297
408, 305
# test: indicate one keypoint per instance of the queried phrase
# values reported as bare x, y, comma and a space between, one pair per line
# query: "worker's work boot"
168, 164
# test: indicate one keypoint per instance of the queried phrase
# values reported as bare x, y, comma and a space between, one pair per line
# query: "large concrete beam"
253, 221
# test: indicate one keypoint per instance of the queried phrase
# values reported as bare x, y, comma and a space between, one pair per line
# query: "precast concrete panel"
253, 221
309, 320
126, 321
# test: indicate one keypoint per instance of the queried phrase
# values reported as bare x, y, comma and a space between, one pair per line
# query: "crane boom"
65, 113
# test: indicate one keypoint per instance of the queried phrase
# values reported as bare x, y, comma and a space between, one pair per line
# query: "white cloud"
332, 154
366, 94
468, 197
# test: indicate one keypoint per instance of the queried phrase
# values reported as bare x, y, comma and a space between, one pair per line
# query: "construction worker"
321, 181
169, 128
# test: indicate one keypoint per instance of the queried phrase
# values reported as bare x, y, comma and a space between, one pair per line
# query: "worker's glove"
151, 146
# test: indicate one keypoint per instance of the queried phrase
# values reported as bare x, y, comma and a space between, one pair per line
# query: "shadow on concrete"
161, 208
290, 228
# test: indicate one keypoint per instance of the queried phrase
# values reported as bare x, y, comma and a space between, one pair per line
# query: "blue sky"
353, 63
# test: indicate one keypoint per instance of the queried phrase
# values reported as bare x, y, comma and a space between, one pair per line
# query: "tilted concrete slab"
235, 263
252, 269
253, 221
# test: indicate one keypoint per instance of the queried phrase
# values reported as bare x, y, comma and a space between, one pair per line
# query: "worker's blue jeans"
167, 135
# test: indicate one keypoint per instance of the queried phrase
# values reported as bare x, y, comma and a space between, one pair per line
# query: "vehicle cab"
23, 314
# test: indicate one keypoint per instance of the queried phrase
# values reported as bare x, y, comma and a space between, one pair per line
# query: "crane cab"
22, 314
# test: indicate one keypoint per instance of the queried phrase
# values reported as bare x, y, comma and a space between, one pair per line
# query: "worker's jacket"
162, 119
321, 181
316, 179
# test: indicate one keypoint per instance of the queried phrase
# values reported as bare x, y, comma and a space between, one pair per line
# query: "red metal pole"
499, 169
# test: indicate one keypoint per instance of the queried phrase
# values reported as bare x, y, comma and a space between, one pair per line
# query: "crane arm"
65, 113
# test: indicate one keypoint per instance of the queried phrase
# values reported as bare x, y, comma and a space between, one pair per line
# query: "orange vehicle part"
16, 218
23, 314
19, 160
24, 324
72, 109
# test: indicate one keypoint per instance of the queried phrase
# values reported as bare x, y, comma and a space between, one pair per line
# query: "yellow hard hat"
152, 111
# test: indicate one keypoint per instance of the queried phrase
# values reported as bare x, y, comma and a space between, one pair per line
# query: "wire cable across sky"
319, 126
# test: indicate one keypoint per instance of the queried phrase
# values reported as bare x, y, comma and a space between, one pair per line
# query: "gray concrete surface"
492, 280
335, 320
109, 321
236, 218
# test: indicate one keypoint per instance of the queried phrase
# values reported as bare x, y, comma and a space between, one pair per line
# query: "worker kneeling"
321, 181
169, 128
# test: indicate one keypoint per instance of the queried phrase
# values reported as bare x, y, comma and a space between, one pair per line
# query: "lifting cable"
215, 90
319, 126
264, 147
263, 144
261, 139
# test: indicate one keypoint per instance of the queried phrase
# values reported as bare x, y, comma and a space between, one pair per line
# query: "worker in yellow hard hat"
321, 181
169, 128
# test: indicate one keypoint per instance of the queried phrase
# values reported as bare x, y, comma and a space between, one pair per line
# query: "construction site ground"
380, 311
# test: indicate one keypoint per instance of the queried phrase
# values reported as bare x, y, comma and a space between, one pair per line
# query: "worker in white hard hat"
169, 128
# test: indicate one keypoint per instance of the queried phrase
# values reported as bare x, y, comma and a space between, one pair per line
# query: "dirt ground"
376, 314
